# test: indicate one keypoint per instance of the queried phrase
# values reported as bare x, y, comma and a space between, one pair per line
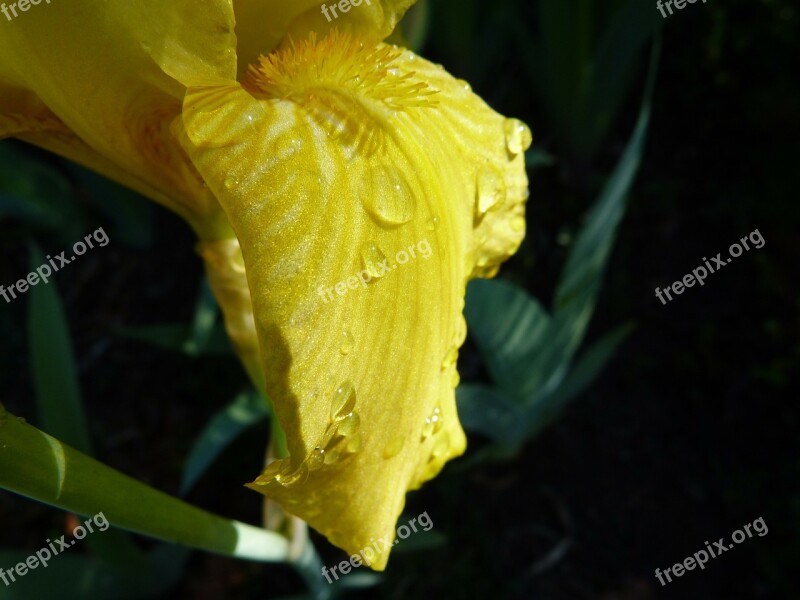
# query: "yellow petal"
111, 73
262, 24
328, 168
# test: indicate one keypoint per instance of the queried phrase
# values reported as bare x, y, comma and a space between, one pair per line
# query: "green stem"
38, 466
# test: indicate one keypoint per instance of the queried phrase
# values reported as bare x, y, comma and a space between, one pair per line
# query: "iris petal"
321, 180
262, 24
117, 87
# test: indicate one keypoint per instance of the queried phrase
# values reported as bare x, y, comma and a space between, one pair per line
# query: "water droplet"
230, 183
518, 136
455, 379
436, 417
347, 343
461, 330
432, 223
389, 199
349, 424
344, 401
332, 456
465, 85
441, 447
450, 358
297, 477
355, 443
491, 190
393, 448
427, 430
272, 472
432, 424
372, 259
316, 459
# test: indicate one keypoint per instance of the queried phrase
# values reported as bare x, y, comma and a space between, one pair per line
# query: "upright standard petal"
366, 186
262, 24
111, 74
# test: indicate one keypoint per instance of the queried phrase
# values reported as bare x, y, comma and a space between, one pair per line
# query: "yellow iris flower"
364, 185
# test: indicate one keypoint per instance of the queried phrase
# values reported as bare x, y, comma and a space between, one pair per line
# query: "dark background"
692, 431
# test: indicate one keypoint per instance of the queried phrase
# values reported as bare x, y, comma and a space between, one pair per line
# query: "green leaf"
536, 157
58, 394
416, 25
76, 576
505, 337
205, 317
173, 336
53, 364
583, 60
487, 411
591, 364
587, 368
131, 214
580, 281
34, 192
246, 409
38, 466
615, 60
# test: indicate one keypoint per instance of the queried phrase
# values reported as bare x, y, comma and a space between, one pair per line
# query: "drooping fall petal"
342, 161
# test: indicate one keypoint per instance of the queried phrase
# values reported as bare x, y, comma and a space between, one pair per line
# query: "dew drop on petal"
461, 330
491, 190
450, 358
274, 471
347, 343
230, 183
316, 459
432, 223
372, 259
344, 401
295, 477
355, 443
390, 200
455, 379
332, 456
441, 447
436, 418
393, 448
518, 136
349, 424
433, 424
427, 430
